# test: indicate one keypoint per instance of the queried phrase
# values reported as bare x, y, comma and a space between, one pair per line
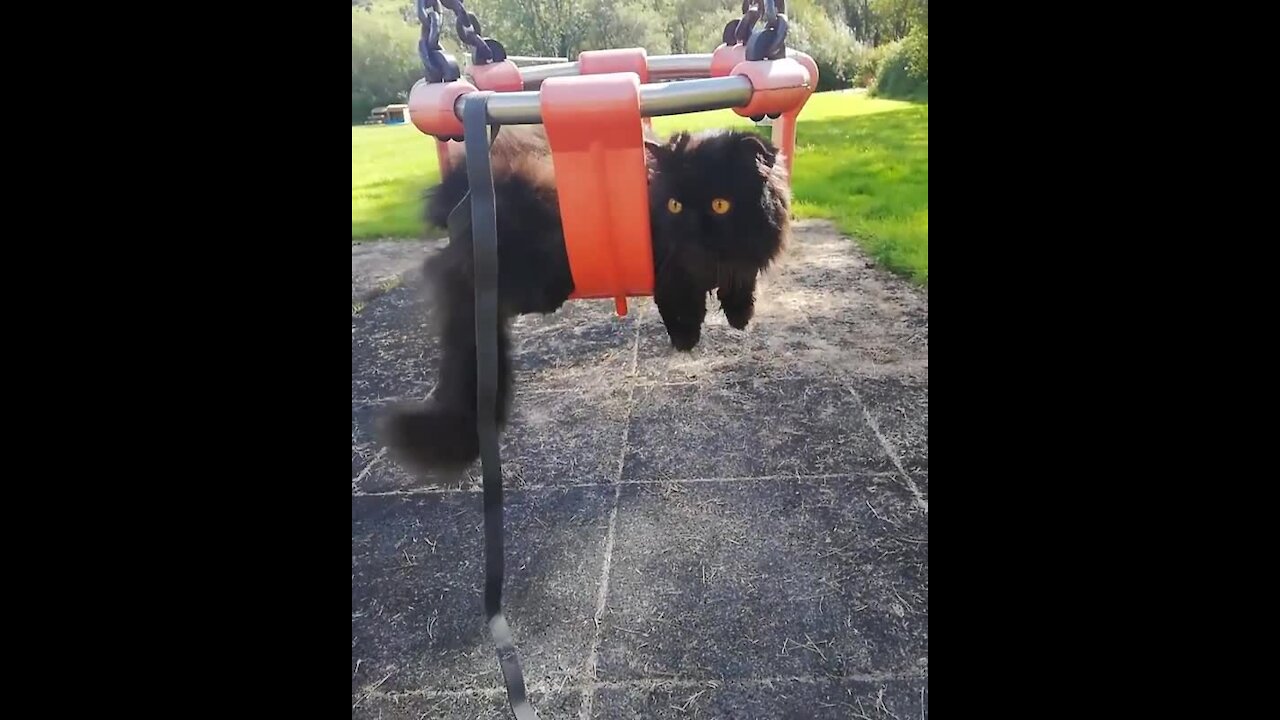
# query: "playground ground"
740, 532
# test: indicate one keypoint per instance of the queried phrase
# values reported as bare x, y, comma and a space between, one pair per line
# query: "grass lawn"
862, 162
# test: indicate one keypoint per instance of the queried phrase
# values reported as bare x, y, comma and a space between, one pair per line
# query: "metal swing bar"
656, 99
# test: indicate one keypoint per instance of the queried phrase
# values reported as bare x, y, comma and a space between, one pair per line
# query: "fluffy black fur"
695, 252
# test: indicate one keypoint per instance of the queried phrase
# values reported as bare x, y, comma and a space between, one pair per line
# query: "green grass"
862, 162
870, 174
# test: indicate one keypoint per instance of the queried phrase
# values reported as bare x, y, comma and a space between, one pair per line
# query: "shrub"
384, 61
916, 45
897, 79
832, 47
868, 65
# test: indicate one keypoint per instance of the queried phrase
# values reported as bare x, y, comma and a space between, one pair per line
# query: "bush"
897, 79
832, 47
917, 48
384, 61
868, 64
621, 25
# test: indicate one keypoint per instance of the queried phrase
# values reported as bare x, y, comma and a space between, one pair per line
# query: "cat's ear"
654, 152
664, 151
765, 154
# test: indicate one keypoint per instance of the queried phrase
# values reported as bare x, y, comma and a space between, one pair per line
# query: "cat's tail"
441, 433
431, 436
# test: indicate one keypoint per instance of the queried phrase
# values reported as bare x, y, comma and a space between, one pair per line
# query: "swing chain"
438, 66
483, 50
769, 43
737, 31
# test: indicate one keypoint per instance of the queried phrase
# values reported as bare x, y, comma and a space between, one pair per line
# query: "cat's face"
721, 190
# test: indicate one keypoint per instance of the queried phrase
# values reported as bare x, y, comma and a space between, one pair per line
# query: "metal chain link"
768, 43
750, 16
483, 50
439, 66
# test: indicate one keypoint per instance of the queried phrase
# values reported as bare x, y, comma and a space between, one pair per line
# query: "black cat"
719, 215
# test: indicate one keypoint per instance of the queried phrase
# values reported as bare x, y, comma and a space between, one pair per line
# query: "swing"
594, 111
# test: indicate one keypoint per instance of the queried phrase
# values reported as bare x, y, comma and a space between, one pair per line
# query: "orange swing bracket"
732, 60
593, 126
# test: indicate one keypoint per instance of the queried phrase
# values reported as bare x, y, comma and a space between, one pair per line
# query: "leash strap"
484, 239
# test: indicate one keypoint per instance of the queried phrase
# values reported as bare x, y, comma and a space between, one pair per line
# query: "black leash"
484, 238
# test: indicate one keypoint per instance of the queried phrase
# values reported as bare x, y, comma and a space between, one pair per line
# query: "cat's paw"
739, 317
684, 338
429, 436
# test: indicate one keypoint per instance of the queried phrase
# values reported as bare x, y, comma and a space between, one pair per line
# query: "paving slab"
750, 428
463, 706
775, 699
417, 574
736, 532
768, 578
378, 265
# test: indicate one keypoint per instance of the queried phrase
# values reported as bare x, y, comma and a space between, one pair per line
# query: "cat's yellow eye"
674, 205
720, 206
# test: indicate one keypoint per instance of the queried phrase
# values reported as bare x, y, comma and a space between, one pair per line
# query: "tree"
696, 25
612, 24
534, 27
384, 61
